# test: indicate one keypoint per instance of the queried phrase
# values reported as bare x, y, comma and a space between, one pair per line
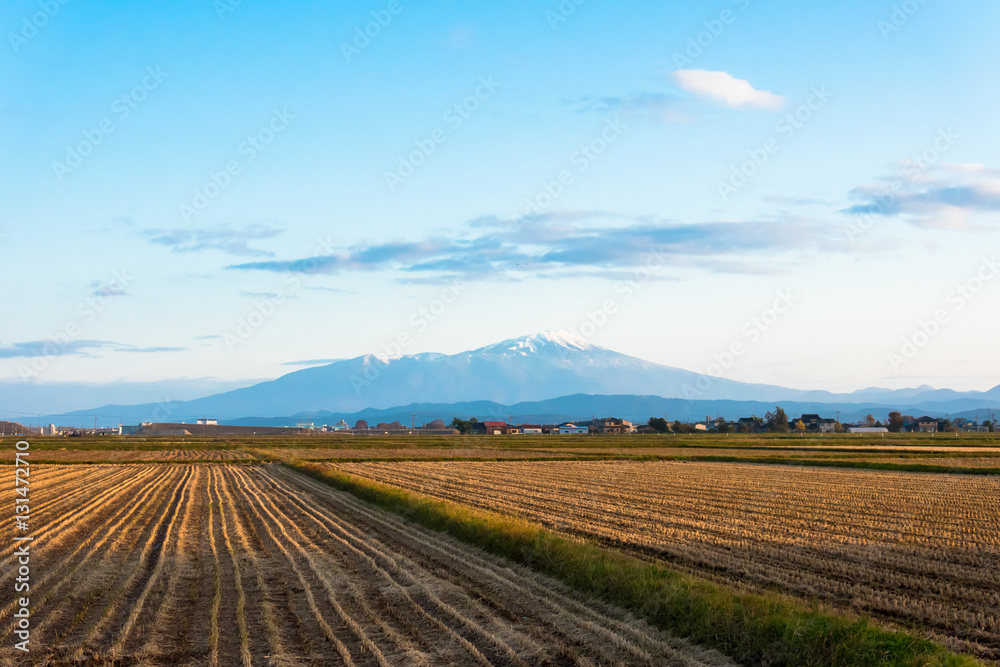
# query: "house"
493, 428
573, 429
208, 422
531, 429
969, 426
811, 421
827, 425
927, 424
614, 425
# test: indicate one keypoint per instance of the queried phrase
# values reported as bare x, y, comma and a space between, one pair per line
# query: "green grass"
751, 628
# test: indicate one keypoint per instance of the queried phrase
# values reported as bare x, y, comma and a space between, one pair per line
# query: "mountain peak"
551, 340
561, 338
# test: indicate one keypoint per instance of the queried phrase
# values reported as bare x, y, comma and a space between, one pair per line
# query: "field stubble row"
240, 565
917, 549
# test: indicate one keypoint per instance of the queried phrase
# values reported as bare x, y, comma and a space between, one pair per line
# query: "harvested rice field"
914, 549
234, 564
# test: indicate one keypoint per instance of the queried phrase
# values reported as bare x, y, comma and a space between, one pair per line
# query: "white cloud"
725, 89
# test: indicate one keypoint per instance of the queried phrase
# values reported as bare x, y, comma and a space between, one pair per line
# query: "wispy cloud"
723, 88
659, 107
311, 362
83, 348
99, 288
232, 241
559, 245
944, 197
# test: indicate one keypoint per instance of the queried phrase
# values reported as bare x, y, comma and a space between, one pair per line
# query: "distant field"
918, 549
238, 564
971, 452
921, 441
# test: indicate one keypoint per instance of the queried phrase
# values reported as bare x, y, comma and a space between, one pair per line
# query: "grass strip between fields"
751, 628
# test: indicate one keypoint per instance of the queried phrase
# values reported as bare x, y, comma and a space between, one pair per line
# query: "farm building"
571, 429
494, 428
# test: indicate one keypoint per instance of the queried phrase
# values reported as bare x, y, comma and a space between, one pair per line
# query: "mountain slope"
531, 368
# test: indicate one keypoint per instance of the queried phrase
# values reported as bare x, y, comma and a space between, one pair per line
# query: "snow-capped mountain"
531, 368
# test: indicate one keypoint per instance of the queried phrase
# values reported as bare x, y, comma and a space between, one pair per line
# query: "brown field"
229, 564
423, 453
149, 455
918, 549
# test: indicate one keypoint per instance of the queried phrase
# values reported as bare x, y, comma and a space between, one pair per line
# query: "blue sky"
169, 171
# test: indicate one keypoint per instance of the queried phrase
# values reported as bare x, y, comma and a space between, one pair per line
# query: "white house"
571, 429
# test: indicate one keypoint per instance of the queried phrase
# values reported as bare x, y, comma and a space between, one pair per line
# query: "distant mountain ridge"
532, 368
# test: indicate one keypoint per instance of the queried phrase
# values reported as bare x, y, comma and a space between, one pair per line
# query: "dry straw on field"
917, 549
251, 565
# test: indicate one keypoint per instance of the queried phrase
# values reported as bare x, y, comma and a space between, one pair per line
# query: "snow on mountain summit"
556, 341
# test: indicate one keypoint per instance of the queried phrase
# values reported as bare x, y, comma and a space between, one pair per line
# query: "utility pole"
413, 421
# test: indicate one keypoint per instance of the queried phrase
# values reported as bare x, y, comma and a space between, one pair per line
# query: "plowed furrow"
445, 616
128, 594
515, 595
58, 574
51, 527
271, 528
239, 565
